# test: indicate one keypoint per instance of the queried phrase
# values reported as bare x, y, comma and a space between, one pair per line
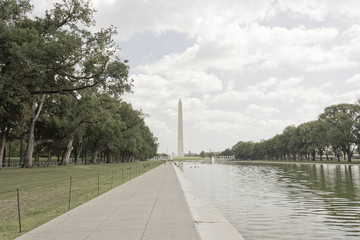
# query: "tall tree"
55, 54
12, 14
342, 123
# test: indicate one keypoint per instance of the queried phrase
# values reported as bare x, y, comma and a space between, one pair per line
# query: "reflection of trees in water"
329, 190
340, 181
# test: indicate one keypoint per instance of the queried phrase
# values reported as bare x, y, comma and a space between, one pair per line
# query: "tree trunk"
77, 153
2, 146
49, 157
37, 155
30, 146
349, 154
67, 153
313, 155
4, 152
94, 156
108, 158
338, 156
321, 154
22, 150
31, 138
9, 153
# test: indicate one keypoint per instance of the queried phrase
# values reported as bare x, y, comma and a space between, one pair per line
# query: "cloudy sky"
244, 69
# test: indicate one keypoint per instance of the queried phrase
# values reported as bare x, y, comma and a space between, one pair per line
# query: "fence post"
18, 200
70, 191
122, 175
130, 173
98, 183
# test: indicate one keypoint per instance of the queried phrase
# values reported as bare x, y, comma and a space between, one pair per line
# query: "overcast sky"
244, 69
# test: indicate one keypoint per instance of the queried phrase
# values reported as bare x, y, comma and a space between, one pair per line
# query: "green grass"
44, 192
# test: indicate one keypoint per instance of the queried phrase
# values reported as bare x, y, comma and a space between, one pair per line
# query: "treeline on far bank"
60, 87
334, 135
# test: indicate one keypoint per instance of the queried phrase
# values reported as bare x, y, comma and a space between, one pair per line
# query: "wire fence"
31, 204
18, 164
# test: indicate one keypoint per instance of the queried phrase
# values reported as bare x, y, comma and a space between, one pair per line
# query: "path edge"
209, 222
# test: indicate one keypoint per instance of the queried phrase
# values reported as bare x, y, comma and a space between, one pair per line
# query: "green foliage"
79, 73
343, 125
336, 132
227, 152
120, 130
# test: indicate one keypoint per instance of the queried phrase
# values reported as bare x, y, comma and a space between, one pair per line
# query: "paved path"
149, 207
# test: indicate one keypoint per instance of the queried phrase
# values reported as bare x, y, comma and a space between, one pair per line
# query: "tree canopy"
334, 134
52, 65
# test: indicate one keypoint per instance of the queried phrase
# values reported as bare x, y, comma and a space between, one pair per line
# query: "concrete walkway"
149, 207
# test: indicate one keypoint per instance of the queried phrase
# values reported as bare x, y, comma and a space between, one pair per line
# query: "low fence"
54, 163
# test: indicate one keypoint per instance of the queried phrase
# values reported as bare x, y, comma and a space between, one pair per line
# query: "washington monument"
180, 131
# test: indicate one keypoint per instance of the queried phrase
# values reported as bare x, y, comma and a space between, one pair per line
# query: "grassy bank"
44, 192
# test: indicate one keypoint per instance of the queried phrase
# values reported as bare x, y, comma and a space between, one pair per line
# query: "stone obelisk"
180, 131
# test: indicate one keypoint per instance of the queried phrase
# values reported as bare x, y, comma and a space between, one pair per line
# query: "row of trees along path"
60, 84
336, 132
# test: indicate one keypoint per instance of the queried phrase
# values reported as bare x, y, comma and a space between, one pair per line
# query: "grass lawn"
44, 192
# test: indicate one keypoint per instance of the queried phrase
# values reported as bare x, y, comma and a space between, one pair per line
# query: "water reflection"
284, 201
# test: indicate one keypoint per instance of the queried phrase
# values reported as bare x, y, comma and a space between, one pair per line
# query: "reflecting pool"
283, 201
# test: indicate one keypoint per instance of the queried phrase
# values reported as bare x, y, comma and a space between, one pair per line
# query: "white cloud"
188, 16
233, 49
350, 96
354, 79
274, 124
220, 40
196, 81
225, 122
263, 110
275, 89
354, 33
321, 9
